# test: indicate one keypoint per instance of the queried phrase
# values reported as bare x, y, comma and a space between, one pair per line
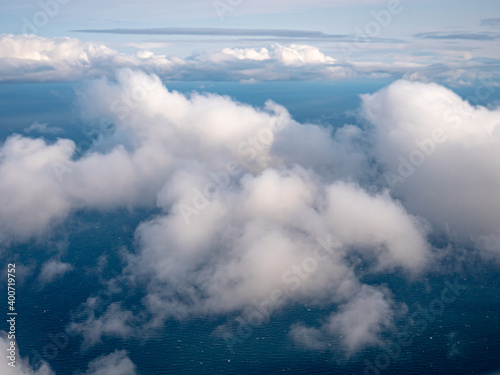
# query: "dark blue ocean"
462, 339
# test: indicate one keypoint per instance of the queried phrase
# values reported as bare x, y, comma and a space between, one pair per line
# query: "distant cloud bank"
38, 59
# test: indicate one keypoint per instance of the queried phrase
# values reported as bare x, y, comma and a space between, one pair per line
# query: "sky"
233, 212
419, 37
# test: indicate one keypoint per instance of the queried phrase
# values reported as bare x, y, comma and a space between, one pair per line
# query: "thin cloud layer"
490, 22
457, 35
215, 31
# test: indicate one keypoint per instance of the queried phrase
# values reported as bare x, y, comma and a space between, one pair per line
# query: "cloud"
43, 129
116, 363
239, 244
490, 22
460, 36
295, 54
356, 325
253, 203
33, 58
248, 206
471, 74
113, 322
29, 193
53, 269
22, 366
216, 271
446, 151
217, 32
276, 200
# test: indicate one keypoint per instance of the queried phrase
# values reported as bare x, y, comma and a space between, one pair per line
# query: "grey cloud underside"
459, 36
217, 32
490, 22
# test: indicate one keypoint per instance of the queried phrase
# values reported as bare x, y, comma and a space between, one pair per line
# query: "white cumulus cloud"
443, 154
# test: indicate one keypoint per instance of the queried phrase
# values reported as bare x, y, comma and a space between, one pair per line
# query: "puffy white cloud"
35, 58
29, 194
237, 247
295, 54
444, 154
264, 234
242, 54
300, 55
161, 131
